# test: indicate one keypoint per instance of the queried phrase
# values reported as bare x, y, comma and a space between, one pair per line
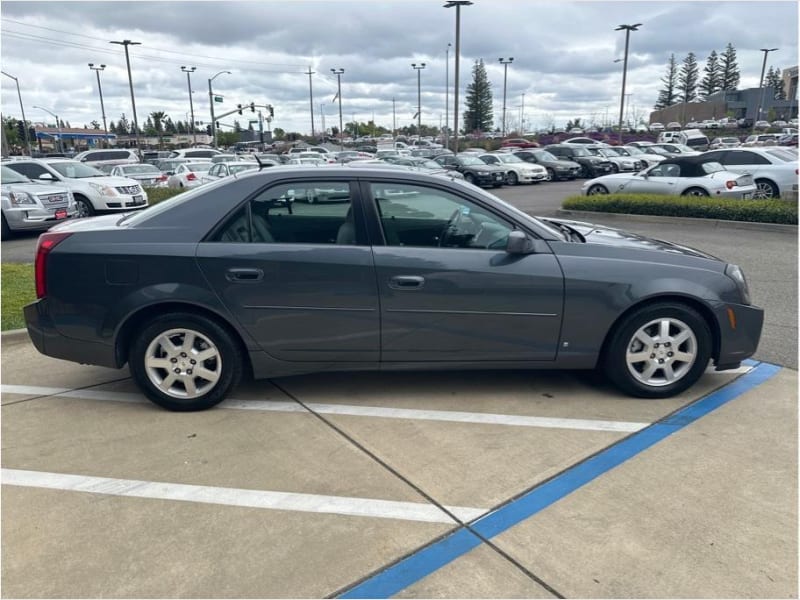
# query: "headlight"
482, 173
20, 199
103, 190
735, 273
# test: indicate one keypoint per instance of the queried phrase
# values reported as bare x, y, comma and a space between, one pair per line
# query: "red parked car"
518, 143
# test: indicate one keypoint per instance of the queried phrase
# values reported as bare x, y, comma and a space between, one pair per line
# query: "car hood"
35, 189
107, 180
609, 236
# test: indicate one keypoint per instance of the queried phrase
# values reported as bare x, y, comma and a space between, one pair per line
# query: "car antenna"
258, 160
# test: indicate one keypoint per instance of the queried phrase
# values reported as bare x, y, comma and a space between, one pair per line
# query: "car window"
419, 216
311, 212
711, 167
11, 176
75, 170
663, 170
745, 158
492, 160
30, 170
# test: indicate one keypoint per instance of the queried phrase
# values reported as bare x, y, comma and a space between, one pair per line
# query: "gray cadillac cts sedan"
296, 270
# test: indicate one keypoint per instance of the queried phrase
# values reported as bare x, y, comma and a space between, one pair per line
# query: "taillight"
47, 241
162, 178
191, 177
730, 184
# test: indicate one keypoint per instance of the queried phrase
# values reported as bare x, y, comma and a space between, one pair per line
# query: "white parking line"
313, 503
357, 411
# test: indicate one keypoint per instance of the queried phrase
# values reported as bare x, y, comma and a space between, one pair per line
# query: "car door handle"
244, 275
407, 282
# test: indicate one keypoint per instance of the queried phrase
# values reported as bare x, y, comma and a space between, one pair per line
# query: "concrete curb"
711, 223
14, 335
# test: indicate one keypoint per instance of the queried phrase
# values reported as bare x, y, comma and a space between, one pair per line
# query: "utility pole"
447, 96
458, 4
338, 73
127, 43
311, 98
22, 110
211, 106
418, 69
261, 129
188, 72
627, 29
100, 89
766, 51
505, 63
394, 119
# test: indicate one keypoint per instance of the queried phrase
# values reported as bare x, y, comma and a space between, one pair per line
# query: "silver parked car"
687, 176
147, 175
32, 206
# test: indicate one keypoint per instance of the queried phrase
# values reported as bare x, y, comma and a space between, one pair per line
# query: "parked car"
345, 156
92, 190
619, 161
774, 170
95, 158
674, 126
147, 175
761, 125
656, 127
407, 271
518, 143
693, 138
425, 165
667, 137
583, 140
724, 142
187, 175
672, 149
647, 159
195, 153
473, 169
168, 166
591, 165
218, 158
225, 169
151, 157
557, 168
682, 176
517, 170
789, 139
32, 206
761, 139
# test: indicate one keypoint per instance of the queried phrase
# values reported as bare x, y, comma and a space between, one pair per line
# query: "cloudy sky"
563, 54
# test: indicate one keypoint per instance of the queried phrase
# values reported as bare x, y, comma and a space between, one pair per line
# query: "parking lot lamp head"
627, 29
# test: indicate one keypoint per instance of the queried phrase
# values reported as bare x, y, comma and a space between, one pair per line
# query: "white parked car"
656, 127
682, 176
583, 140
32, 206
724, 142
146, 175
195, 153
188, 174
225, 169
95, 158
640, 154
672, 149
774, 169
93, 190
517, 170
618, 161
761, 125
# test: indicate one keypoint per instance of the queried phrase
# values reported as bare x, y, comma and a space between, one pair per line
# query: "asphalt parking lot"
513, 484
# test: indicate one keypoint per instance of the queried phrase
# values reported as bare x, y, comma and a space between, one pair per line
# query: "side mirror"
46, 177
519, 243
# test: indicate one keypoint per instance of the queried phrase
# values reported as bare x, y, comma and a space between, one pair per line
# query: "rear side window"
745, 158
200, 154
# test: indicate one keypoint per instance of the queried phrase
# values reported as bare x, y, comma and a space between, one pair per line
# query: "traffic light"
217, 124
239, 106
21, 131
208, 130
31, 133
252, 107
271, 111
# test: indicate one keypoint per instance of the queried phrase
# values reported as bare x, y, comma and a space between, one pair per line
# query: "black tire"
512, 179
695, 191
766, 189
6, 231
597, 190
614, 168
551, 175
227, 353
85, 208
620, 371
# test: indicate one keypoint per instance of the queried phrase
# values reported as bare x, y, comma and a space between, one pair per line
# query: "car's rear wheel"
85, 208
695, 191
597, 190
658, 350
511, 178
185, 362
766, 190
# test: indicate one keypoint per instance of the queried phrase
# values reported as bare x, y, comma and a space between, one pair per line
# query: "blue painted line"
430, 559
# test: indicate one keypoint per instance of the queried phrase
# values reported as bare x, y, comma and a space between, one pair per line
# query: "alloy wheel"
661, 352
183, 363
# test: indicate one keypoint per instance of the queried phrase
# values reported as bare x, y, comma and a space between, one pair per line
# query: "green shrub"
16, 281
754, 211
156, 195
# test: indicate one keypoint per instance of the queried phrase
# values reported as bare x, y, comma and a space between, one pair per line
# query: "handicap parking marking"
313, 503
358, 411
408, 571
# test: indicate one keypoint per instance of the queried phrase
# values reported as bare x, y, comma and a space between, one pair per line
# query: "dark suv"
473, 169
557, 168
591, 166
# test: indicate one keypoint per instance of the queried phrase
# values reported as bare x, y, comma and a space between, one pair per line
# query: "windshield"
199, 167
609, 152
139, 169
428, 164
509, 158
240, 168
544, 155
471, 160
631, 151
685, 148
581, 152
75, 170
11, 176
784, 155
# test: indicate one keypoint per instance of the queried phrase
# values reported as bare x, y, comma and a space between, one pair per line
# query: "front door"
448, 289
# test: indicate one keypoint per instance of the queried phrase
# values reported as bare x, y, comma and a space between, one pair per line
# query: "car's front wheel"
658, 350
185, 362
85, 208
766, 190
511, 178
597, 190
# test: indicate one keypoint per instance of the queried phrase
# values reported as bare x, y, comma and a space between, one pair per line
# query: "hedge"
156, 195
754, 211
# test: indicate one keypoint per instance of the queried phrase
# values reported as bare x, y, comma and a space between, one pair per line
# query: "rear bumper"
738, 339
50, 342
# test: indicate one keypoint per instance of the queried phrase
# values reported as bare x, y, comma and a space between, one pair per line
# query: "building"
790, 82
72, 137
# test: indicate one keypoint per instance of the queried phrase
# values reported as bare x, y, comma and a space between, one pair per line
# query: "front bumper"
532, 176
36, 218
739, 333
490, 178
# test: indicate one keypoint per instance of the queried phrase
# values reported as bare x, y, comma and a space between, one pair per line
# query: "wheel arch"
769, 181
702, 309
137, 320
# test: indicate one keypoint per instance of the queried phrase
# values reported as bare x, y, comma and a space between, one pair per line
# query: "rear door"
294, 267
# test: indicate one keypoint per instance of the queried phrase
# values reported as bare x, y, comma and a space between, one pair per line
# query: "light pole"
211, 105
127, 43
311, 100
100, 90
22, 110
58, 126
766, 51
627, 29
522, 115
338, 73
418, 68
447, 96
505, 63
189, 71
458, 4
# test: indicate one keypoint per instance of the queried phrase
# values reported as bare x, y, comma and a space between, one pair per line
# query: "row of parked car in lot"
37, 193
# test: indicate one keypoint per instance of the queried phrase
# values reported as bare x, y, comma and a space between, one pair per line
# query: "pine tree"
711, 79
773, 80
123, 126
687, 79
478, 114
112, 127
729, 70
668, 96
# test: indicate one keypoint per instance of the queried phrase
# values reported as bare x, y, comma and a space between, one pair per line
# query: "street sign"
218, 99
